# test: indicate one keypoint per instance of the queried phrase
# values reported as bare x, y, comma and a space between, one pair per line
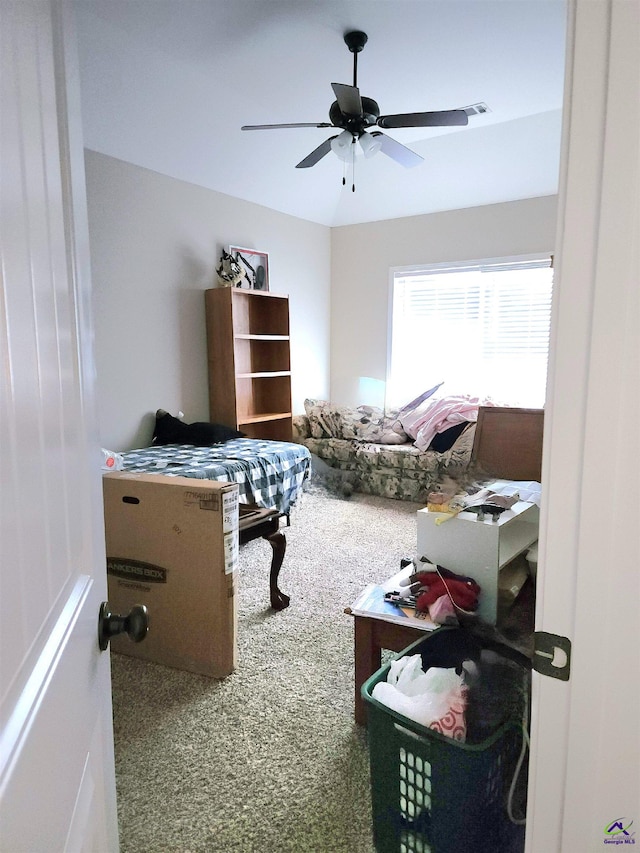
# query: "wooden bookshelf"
249, 361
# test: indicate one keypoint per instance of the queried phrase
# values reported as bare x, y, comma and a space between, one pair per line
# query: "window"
482, 329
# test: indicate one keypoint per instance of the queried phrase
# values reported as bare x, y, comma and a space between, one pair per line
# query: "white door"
57, 789
584, 791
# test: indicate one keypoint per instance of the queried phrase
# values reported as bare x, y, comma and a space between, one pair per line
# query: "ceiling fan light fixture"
370, 145
341, 145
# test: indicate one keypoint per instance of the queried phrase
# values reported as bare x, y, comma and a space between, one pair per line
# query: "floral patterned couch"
373, 448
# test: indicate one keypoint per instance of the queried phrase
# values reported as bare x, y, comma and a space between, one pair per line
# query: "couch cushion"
368, 423
335, 451
325, 420
401, 458
364, 423
300, 428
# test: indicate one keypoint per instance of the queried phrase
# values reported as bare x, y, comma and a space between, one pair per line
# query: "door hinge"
552, 655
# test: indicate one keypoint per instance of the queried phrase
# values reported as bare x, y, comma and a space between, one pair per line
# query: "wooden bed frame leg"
278, 543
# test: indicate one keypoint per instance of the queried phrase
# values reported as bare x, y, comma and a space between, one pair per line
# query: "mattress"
269, 474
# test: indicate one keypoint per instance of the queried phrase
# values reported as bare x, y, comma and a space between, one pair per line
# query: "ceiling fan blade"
317, 154
276, 126
397, 151
348, 98
443, 118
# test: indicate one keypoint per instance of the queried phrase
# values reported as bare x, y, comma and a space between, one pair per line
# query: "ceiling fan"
353, 114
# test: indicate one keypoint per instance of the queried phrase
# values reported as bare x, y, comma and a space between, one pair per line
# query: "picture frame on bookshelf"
255, 266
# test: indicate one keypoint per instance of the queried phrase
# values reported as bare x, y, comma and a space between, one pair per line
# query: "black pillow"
170, 430
443, 441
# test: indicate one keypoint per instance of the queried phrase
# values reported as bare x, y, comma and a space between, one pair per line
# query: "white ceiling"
167, 84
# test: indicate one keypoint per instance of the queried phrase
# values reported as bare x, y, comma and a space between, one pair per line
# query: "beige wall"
362, 256
155, 242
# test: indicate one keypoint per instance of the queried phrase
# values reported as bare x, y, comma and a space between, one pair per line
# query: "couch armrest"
301, 428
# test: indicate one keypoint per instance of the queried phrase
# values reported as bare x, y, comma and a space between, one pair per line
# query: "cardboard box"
172, 545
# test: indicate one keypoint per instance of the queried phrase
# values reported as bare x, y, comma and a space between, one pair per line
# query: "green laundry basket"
430, 793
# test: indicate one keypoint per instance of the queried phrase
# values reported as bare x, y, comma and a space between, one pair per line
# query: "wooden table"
371, 635
257, 523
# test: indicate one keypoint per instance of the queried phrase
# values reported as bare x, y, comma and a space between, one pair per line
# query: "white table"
478, 549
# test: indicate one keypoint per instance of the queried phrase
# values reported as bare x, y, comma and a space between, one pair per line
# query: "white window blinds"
482, 329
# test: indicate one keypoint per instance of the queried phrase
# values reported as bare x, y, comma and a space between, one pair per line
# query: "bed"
270, 476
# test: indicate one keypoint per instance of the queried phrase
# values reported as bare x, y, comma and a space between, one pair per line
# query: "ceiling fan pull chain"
353, 166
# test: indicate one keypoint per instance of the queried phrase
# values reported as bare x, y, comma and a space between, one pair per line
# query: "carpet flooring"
270, 758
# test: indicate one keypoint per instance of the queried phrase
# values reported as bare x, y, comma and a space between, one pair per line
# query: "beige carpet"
268, 759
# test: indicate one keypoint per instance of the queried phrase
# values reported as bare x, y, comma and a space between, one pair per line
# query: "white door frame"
585, 751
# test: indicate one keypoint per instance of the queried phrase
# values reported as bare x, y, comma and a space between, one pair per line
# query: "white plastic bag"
112, 461
425, 697
407, 675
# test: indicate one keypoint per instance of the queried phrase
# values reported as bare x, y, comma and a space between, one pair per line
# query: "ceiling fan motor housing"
356, 124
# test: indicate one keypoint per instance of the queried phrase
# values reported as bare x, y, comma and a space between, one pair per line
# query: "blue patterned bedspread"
268, 473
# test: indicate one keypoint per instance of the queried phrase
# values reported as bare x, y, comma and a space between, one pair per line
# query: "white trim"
518, 261
387, 371
585, 741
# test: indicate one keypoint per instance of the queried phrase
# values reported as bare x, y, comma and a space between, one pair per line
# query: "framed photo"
255, 266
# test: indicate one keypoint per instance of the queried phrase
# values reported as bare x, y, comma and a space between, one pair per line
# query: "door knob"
135, 624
